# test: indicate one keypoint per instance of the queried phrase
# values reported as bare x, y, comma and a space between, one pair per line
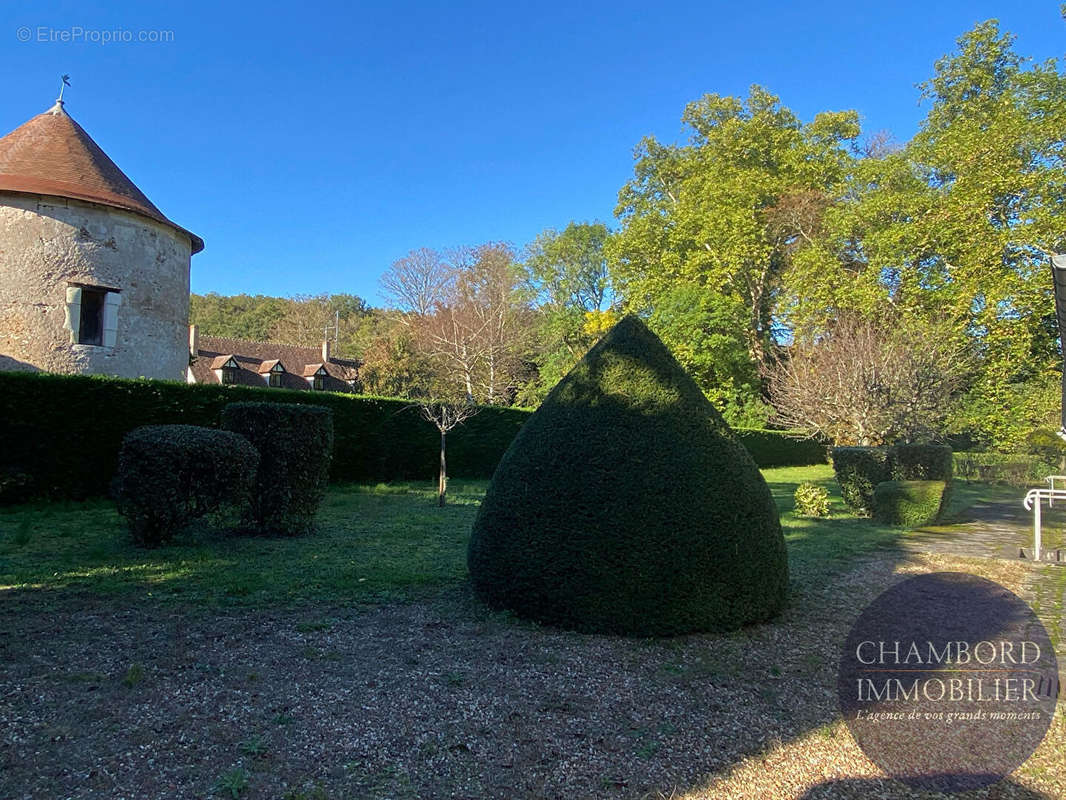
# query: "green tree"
722, 217
568, 274
959, 225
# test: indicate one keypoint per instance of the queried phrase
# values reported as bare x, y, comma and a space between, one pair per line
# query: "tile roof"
255, 360
52, 154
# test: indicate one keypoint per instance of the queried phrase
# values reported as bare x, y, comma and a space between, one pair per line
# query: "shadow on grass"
371, 543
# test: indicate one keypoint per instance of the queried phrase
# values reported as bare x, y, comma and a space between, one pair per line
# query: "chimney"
325, 350
194, 340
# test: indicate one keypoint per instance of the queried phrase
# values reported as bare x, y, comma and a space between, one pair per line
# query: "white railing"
1033, 501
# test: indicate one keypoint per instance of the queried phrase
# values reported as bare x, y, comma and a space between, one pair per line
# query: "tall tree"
959, 225
722, 215
567, 272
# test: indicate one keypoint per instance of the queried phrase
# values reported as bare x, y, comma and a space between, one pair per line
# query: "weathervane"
64, 82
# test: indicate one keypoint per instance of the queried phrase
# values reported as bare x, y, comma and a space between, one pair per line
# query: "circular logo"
948, 682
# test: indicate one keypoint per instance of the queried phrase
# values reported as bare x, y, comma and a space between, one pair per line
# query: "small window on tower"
91, 326
92, 315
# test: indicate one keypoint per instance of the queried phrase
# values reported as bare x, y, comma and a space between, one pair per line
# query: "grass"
374, 543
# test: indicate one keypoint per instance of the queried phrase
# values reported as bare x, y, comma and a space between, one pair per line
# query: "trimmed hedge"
783, 448
909, 503
169, 475
626, 505
295, 445
920, 462
858, 471
1017, 470
70, 429
60, 434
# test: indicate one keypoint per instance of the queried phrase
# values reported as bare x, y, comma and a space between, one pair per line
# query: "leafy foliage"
302, 319
811, 500
708, 229
958, 225
782, 448
1046, 445
920, 462
858, 471
1010, 469
169, 475
295, 444
909, 503
626, 505
568, 273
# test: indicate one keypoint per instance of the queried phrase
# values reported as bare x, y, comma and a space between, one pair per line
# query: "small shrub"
811, 500
909, 503
295, 444
920, 462
858, 470
169, 475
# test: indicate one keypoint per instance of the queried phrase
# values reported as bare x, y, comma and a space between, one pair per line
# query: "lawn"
374, 543
355, 664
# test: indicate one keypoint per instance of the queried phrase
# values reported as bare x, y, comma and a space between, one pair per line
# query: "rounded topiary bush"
295, 444
169, 475
626, 505
909, 503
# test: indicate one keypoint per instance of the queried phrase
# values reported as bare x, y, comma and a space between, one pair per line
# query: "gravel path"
434, 699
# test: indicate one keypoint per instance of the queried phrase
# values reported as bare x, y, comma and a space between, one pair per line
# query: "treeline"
807, 274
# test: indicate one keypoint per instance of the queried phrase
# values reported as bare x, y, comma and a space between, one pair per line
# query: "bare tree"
468, 314
866, 383
445, 416
418, 282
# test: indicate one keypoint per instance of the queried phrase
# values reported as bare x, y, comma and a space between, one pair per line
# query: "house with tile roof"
95, 278
240, 362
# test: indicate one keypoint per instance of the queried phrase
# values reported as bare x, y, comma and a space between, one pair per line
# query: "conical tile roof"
52, 154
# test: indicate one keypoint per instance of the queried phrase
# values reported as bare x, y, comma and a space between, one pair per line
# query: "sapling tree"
446, 416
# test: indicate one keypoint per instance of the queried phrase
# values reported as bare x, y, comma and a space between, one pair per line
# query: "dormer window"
274, 376
228, 371
92, 315
318, 379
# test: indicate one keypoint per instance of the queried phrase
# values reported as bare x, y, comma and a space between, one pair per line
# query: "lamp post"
1058, 269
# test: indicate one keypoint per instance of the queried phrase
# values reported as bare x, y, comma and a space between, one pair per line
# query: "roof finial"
64, 82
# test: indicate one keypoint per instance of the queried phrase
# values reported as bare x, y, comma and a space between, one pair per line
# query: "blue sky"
311, 144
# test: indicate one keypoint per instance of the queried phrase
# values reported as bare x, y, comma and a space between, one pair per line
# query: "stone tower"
94, 278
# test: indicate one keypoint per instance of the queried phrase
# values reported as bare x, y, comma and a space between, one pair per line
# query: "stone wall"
48, 244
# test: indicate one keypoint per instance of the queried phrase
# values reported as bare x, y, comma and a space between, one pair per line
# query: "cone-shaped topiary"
625, 505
